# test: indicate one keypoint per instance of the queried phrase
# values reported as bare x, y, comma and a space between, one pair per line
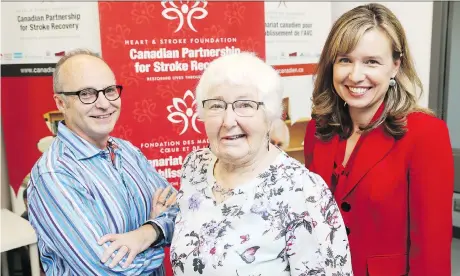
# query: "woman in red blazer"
388, 162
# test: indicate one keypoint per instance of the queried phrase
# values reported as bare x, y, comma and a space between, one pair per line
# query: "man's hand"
161, 202
131, 243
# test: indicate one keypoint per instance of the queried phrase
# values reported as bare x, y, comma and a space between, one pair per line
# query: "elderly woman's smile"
234, 137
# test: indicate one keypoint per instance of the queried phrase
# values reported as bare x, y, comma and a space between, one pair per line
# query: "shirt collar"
81, 148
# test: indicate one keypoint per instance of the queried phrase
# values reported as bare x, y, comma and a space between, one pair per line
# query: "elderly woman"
246, 207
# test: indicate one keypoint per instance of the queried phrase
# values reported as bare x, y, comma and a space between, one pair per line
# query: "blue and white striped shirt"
76, 195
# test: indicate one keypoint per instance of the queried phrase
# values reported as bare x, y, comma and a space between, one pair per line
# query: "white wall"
416, 18
453, 84
453, 87
456, 215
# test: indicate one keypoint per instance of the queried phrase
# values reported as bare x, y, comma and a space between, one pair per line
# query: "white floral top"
284, 222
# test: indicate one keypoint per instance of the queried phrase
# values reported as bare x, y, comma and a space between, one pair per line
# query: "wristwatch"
160, 235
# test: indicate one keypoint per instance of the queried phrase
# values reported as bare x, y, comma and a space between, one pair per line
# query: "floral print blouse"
284, 222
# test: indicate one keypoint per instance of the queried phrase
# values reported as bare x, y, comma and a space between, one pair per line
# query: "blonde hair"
328, 108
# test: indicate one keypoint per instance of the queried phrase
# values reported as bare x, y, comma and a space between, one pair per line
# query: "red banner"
158, 51
27, 105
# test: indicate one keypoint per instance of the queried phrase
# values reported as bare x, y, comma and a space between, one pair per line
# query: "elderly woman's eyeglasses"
242, 108
90, 95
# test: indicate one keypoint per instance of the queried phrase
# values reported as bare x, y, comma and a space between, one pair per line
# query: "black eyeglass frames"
90, 95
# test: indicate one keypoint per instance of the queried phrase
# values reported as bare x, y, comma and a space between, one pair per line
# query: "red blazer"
395, 187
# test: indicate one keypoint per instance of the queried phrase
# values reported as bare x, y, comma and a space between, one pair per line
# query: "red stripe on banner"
296, 69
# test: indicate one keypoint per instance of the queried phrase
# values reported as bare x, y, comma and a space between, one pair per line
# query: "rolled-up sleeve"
316, 239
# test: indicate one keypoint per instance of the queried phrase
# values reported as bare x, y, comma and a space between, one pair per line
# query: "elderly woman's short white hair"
243, 69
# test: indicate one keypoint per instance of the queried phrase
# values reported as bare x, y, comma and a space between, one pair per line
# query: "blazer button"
348, 230
346, 207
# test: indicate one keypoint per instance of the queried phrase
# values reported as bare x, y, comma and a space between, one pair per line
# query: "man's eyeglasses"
90, 95
242, 108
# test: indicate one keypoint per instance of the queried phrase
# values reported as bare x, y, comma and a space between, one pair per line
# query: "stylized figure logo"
184, 11
183, 113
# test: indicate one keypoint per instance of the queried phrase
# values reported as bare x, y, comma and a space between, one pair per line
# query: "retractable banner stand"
34, 36
295, 35
158, 51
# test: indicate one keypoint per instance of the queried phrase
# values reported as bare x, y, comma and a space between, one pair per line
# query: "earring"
344, 104
392, 82
268, 141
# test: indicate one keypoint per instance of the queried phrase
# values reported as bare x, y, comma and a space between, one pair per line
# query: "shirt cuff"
160, 228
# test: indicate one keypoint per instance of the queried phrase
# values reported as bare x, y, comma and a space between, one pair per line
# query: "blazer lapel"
374, 148
324, 155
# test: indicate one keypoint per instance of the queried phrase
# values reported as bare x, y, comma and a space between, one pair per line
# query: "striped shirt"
76, 195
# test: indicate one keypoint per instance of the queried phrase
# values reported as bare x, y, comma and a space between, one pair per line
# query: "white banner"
41, 32
295, 33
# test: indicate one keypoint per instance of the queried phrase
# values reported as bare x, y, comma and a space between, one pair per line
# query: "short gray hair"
243, 68
67, 56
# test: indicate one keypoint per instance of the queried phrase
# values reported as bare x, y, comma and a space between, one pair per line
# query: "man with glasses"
97, 205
